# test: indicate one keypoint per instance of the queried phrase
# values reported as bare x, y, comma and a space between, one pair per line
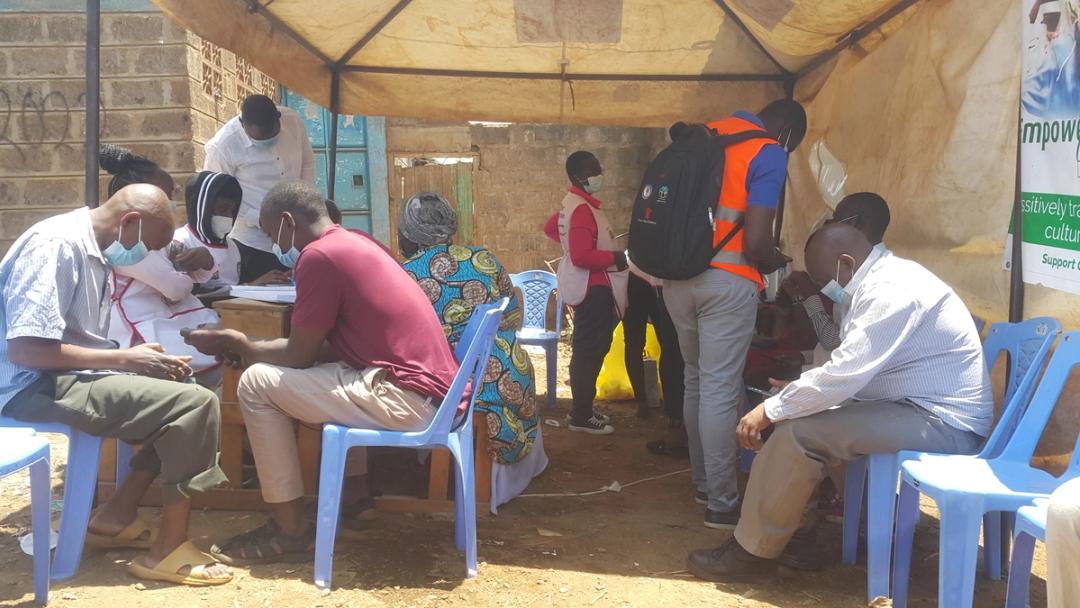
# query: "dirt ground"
608, 550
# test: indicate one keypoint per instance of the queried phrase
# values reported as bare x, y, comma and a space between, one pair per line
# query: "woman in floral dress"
456, 279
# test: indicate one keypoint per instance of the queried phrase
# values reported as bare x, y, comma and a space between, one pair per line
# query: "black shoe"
592, 426
604, 418
700, 497
801, 552
727, 563
721, 520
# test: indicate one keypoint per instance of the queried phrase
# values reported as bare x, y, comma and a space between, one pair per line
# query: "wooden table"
260, 320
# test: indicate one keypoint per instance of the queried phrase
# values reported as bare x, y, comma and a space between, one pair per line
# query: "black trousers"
645, 304
594, 320
254, 263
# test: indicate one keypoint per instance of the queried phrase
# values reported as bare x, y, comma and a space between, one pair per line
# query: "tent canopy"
625, 62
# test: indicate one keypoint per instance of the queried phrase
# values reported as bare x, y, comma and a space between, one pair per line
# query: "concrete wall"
164, 92
519, 179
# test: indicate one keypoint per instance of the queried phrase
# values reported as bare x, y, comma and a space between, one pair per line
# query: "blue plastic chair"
966, 488
1027, 344
536, 287
447, 430
80, 483
23, 449
1030, 526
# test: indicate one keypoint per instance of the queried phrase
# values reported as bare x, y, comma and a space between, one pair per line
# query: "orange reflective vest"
733, 196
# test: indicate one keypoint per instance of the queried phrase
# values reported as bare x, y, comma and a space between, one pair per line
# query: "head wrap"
428, 219
202, 190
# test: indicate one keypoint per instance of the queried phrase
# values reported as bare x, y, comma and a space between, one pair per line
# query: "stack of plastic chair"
23, 449
536, 287
80, 483
966, 488
447, 430
1027, 344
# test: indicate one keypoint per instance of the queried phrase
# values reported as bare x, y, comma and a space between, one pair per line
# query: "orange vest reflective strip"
733, 199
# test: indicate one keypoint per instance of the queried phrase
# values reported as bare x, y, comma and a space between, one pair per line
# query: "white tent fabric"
620, 62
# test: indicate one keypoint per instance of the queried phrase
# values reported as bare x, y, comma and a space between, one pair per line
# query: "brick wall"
144, 93
519, 179
164, 93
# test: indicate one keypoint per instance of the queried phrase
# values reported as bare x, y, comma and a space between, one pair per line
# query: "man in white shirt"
262, 147
908, 375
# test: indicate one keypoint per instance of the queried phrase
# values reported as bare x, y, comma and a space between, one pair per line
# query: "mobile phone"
754, 389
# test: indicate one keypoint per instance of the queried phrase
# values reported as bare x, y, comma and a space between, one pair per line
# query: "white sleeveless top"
574, 280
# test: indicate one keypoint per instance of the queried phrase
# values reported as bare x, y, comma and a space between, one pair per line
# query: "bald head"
138, 209
836, 252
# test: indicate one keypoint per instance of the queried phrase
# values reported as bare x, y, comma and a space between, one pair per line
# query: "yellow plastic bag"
613, 384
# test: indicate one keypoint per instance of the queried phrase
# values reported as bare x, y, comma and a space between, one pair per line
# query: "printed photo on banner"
1050, 144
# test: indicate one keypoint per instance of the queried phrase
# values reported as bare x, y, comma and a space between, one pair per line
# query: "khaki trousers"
1063, 546
273, 398
799, 453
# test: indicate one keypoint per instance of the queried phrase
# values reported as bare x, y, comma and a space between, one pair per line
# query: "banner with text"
1050, 145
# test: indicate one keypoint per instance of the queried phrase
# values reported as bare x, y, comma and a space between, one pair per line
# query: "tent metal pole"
278, 24
854, 36
93, 99
401, 71
360, 44
335, 99
1016, 265
742, 26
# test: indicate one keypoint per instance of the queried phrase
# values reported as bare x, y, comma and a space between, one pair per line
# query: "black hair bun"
115, 159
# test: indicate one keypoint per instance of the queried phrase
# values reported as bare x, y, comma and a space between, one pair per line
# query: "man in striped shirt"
908, 375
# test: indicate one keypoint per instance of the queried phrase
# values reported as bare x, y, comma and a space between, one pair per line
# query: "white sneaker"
592, 426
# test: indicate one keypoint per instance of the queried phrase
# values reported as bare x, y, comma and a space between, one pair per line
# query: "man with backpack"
720, 186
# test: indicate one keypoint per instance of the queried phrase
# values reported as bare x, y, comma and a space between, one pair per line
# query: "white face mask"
594, 184
221, 225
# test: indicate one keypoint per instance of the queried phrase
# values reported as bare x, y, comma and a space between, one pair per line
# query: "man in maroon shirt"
365, 350
592, 279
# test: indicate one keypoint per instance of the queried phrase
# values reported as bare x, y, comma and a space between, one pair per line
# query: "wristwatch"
797, 300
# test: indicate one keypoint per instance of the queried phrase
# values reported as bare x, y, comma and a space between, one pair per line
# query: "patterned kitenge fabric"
456, 279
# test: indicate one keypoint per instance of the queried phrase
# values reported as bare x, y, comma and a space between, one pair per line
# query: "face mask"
118, 255
221, 225
265, 143
594, 184
287, 259
833, 290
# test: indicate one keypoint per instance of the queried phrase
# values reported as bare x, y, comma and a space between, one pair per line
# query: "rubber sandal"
660, 447
263, 545
131, 537
351, 522
168, 569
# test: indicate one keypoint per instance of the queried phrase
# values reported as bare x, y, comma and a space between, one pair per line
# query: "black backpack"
671, 227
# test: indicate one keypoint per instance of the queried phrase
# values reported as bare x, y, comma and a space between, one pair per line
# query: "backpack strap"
730, 235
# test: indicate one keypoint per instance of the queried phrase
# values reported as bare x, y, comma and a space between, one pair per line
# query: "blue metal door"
360, 188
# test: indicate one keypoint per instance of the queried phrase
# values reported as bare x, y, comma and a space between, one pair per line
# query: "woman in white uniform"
154, 299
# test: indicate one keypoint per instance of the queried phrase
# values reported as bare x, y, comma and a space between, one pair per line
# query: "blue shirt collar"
749, 116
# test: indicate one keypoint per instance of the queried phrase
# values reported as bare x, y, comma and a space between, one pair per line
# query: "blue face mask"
288, 258
265, 143
118, 255
833, 290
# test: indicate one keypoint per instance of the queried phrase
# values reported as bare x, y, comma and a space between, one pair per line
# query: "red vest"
733, 198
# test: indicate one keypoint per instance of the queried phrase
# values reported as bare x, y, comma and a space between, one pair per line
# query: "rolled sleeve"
40, 289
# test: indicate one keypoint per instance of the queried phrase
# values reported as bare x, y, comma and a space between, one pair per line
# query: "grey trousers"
177, 424
797, 455
714, 315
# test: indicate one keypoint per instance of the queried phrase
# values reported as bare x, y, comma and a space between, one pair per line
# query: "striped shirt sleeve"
40, 289
828, 332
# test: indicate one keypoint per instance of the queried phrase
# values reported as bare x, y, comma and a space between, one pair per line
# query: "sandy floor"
610, 550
